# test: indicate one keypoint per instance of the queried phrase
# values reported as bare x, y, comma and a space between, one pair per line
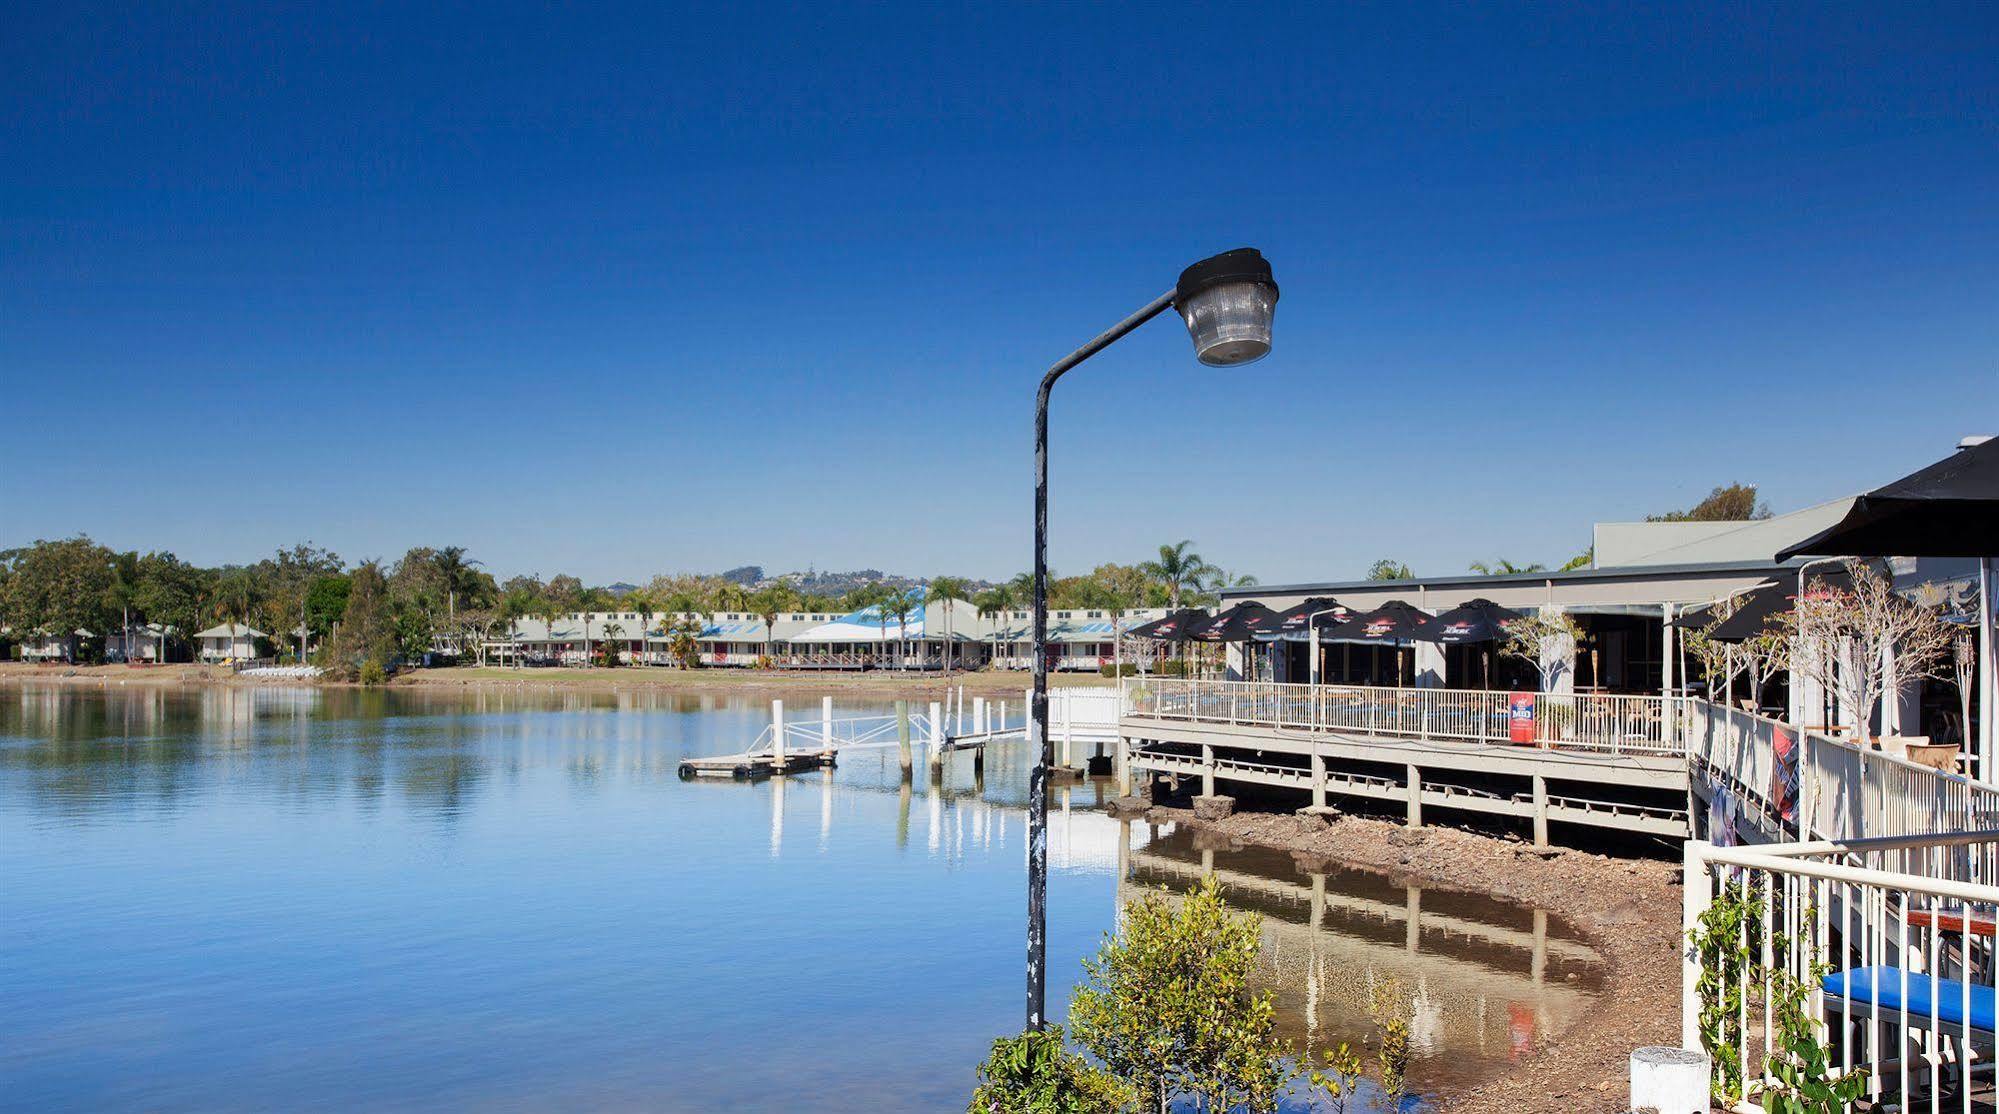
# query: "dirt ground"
1629, 909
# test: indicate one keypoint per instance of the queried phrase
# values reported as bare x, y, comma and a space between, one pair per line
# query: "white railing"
1819, 965
1594, 722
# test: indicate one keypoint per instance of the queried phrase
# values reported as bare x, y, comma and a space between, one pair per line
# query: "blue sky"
694, 287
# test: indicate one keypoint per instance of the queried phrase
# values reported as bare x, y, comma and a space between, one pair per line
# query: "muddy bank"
1628, 909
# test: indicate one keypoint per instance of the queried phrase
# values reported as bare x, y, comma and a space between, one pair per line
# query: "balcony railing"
1589, 722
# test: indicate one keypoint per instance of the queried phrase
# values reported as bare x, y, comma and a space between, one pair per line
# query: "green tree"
1171, 1010
944, 589
767, 605
1581, 560
995, 602
1386, 569
1728, 503
56, 588
613, 655
367, 631
1035, 1073
325, 603
173, 594
1179, 569
1503, 567
901, 605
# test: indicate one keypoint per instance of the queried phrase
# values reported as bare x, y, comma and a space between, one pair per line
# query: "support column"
1318, 776
936, 740
777, 735
1123, 766
902, 746
1540, 811
1666, 640
1415, 796
1207, 770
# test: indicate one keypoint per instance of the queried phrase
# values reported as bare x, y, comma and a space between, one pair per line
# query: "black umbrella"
1394, 621
1950, 509
1289, 625
1173, 628
1763, 609
1698, 617
1240, 623
1479, 620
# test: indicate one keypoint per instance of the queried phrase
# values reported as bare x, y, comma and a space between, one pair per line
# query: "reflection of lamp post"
1227, 302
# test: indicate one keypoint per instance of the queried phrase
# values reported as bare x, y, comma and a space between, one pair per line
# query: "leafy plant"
1339, 1077
1391, 1053
1721, 946
1170, 1010
1035, 1073
372, 672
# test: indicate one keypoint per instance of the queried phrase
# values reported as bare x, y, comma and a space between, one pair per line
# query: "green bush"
1173, 668
1125, 669
1035, 1073
372, 672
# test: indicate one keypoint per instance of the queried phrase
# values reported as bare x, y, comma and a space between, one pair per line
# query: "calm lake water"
239, 899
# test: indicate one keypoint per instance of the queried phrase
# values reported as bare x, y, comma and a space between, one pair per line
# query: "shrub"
1123, 669
372, 672
1173, 667
1170, 1011
1035, 1073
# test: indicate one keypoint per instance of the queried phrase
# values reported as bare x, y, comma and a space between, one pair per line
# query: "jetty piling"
902, 740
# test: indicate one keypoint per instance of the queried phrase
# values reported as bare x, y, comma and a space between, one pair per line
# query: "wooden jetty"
753, 766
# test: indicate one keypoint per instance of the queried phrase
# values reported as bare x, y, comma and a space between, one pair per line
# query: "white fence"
1592, 722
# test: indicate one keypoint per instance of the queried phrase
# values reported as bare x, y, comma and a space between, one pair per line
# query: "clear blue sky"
774, 284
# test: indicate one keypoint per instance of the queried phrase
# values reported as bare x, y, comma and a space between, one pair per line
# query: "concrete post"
1207, 770
1415, 796
902, 739
1318, 776
1123, 766
777, 734
1540, 811
826, 723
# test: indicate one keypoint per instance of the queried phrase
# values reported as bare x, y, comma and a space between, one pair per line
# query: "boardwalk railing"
1609, 723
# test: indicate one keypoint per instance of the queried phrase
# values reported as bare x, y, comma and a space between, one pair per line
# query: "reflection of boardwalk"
1477, 990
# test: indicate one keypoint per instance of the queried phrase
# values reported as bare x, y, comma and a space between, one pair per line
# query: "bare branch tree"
1546, 641
1864, 642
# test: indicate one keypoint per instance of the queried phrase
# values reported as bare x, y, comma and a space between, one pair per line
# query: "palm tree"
1503, 567
997, 600
901, 605
945, 589
1178, 569
767, 605
611, 633
587, 601
641, 602
550, 609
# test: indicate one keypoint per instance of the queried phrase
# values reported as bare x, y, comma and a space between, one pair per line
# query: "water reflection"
249, 898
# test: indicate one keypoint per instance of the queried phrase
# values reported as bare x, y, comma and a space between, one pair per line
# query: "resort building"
1078, 640
54, 647
145, 644
229, 642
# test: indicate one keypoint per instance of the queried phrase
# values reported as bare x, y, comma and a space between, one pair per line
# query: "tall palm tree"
768, 605
612, 631
641, 603
997, 600
944, 590
587, 601
1503, 567
901, 604
1179, 569
550, 609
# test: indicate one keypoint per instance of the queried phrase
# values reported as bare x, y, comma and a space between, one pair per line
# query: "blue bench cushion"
1881, 987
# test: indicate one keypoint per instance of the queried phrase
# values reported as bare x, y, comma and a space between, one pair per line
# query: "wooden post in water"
826, 724
902, 739
777, 735
936, 740
979, 716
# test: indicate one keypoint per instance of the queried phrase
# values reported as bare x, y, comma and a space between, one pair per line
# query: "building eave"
1622, 572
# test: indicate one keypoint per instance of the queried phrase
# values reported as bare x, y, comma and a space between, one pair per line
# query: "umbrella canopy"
1479, 620
1763, 609
1950, 509
1290, 623
1240, 623
1173, 628
1394, 621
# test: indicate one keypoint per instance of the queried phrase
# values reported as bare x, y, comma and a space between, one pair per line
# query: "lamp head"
1228, 301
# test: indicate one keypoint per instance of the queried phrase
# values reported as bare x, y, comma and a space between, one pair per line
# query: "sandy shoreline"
1628, 909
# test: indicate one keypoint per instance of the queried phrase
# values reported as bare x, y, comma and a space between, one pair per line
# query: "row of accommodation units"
144, 644
1645, 576
865, 639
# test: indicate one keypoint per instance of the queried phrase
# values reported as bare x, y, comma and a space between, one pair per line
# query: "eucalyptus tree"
1179, 569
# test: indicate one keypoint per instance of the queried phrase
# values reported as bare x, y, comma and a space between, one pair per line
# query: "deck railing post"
1696, 894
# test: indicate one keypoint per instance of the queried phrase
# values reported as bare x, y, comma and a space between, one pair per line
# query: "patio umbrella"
1240, 623
1393, 623
1479, 620
1289, 625
1763, 609
1949, 509
1173, 628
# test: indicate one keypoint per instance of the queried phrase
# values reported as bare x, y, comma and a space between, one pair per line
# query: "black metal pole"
1037, 791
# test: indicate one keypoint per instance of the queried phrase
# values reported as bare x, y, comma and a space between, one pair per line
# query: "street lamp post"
1227, 301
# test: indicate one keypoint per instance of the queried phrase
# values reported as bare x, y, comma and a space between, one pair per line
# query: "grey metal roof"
1459, 580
